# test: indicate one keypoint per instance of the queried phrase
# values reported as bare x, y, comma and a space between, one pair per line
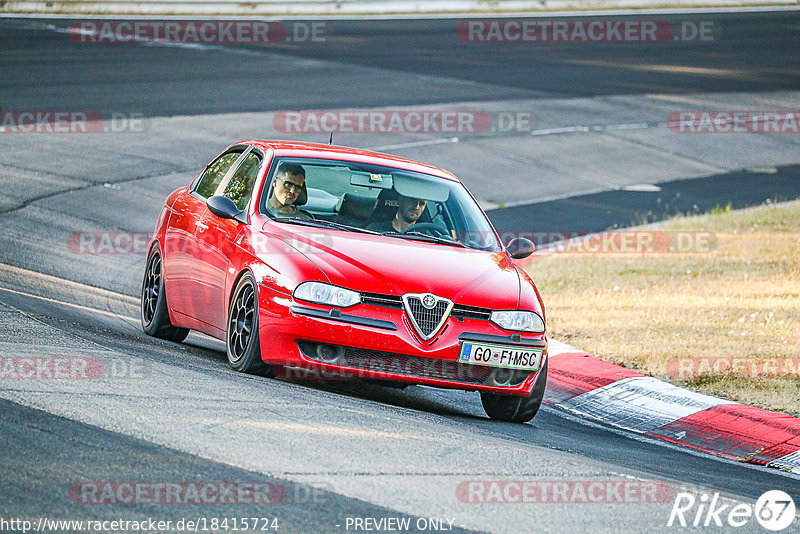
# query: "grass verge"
724, 321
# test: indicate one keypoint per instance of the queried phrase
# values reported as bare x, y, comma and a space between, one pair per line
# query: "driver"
408, 211
286, 188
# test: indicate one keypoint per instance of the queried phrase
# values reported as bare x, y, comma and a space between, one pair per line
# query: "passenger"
409, 211
288, 189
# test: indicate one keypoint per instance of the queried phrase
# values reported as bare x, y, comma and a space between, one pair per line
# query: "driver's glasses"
289, 186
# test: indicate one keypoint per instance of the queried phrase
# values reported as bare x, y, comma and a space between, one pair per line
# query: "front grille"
378, 299
427, 320
459, 310
403, 364
470, 312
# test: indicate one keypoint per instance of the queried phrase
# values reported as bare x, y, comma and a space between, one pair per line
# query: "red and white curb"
600, 390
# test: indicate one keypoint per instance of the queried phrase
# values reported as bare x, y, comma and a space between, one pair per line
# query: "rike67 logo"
774, 510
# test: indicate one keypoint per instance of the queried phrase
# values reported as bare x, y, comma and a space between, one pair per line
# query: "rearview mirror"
519, 248
224, 208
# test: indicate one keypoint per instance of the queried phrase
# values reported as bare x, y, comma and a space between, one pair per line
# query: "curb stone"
596, 389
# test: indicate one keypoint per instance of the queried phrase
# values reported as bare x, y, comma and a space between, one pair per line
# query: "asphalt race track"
591, 149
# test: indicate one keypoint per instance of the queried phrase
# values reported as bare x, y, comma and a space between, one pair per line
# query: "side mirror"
224, 208
519, 248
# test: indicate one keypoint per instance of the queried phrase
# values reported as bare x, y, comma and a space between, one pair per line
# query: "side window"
215, 173
241, 183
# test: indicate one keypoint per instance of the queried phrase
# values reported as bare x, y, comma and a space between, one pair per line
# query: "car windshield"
358, 197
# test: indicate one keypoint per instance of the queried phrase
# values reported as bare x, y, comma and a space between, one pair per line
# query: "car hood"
389, 265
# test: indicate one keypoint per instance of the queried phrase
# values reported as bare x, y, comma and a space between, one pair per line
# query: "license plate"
501, 356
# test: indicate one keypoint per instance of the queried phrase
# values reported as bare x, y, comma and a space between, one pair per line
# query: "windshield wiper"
419, 236
322, 223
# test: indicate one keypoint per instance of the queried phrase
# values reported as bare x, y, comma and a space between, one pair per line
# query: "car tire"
154, 313
241, 336
516, 409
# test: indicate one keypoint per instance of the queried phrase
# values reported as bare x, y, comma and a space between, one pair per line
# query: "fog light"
502, 377
329, 353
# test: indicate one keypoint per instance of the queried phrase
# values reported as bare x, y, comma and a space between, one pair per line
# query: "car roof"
316, 150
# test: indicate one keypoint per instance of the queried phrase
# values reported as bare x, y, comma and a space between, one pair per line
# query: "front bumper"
378, 342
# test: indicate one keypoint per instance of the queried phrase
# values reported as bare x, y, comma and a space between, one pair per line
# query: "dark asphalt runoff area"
338, 450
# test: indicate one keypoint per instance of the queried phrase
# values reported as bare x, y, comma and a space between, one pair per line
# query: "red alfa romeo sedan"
317, 261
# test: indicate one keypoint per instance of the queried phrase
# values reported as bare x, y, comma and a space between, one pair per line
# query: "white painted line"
71, 305
20, 350
60, 282
565, 129
598, 128
634, 126
642, 188
620, 12
555, 347
640, 404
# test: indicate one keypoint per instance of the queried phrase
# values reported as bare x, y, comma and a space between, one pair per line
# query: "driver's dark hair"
291, 168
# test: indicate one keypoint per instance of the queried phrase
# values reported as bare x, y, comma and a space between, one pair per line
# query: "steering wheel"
428, 228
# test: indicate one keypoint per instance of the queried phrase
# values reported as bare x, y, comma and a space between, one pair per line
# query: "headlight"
326, 294
521, 321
